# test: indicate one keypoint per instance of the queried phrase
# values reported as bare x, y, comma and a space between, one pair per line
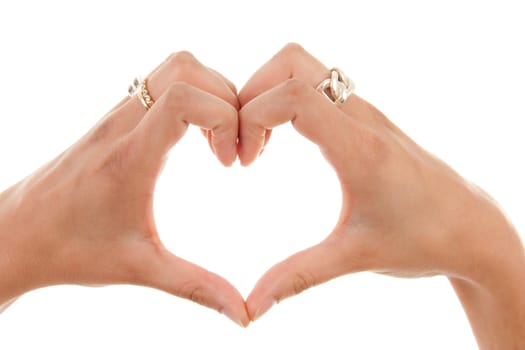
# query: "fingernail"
265, 306
229, 314
261, 151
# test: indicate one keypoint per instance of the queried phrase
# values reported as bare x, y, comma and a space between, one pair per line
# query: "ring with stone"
338, 87
139, 89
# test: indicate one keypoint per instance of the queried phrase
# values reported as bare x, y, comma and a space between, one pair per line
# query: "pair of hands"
87, 216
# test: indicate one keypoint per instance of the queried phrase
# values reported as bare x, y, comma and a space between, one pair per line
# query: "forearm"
19, 262
497, 318
494, 297
7, 268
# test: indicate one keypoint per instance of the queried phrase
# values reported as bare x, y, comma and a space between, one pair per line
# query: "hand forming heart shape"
401, 209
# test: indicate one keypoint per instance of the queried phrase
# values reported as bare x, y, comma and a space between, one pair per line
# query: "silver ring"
338, 87
139, 88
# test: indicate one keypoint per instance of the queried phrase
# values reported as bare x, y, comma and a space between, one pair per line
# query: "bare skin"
405, 213
87, 216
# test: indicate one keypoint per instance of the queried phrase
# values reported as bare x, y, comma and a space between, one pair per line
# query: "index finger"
312, 115
292, 61
178, 67
166, 122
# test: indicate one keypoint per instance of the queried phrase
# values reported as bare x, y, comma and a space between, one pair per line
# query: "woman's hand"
87, 217
404, 213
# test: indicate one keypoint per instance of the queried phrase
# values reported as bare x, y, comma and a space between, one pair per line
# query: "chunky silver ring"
139, 88
338, 87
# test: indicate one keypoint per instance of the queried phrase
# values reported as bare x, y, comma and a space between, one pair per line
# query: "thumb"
184, 279
318, 264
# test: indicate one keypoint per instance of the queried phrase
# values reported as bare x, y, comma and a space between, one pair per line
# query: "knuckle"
181, 59
292, 49
302, 281
102, 131
195, 293
181, 64
114, 162
178, 94
295, 89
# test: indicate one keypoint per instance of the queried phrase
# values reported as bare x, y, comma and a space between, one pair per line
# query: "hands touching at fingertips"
405, 213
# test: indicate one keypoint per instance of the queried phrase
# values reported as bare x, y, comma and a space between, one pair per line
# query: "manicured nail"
265, 306
230, 315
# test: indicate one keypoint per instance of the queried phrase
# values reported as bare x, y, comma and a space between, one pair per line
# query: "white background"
450, 74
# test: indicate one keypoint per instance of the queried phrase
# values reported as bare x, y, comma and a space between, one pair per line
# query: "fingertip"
228, 163
247, 155
235, 309
225, 145
262, 309
261, 299
187, 280
233, 153
229, 303
230, 157
245, 161
242, 320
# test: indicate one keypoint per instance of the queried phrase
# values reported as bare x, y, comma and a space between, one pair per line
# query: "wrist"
487, 272
22, 264
482, 245
496, 312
